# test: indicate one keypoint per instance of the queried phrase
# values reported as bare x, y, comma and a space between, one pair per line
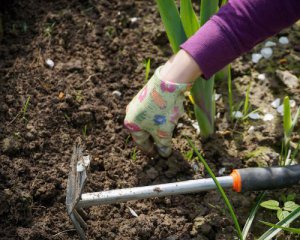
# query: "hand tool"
240, 180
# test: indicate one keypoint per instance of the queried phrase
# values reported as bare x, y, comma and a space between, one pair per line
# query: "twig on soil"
89, 78
69, 230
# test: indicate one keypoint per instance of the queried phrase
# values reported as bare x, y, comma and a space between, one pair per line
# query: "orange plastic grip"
237, 181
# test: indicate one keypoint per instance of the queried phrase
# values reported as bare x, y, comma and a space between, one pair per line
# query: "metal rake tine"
79, 219
76, 224
82, 213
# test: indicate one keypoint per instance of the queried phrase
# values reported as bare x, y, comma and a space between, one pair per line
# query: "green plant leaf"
172, 22
252, 215
207, 9
268, 235
220, 189
246, 103
270, 204
188, 17
282, 214
292, 196
290, 206
291, 230
147, 69
287, 122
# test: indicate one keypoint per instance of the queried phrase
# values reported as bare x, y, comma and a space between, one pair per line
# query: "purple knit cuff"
210, 48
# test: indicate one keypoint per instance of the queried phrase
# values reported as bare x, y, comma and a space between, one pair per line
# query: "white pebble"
117, 93
132, 212
217, 96
251, 129
179, 125
256, 57
276, 103
283, 40
237, 114
270, 44
134, 19
49, 63
221, 171
196, 126
254, 116
268, 117
266, 52
261, 76
279, 109
292, 103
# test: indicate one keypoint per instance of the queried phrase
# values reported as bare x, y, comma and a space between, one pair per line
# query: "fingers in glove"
142, 139
163, 145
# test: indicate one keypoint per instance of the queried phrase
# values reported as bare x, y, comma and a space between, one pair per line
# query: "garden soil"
98, 49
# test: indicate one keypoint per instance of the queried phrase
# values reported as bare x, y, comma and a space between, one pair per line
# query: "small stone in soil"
279, 109
266, 52
289, 79
117, 93
256, 57
217, 96
49, 63
276, 103
283, 40
270, 44
254, 116
268, 117
261, 76
251, 129
237, 114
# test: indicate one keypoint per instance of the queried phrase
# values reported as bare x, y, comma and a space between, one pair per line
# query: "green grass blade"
203, 95
230, 100
147, 69
220, 189
273, 231
295, 120
188, 17
207, 9
246, 103
252, 215
287, 122
291, 230
172, 22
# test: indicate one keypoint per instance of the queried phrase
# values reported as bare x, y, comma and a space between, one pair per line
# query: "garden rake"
240, 180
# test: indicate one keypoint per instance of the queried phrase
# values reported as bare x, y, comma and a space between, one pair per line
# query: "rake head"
76, 181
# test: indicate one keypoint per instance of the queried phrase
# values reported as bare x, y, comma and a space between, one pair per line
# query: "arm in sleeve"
236, 28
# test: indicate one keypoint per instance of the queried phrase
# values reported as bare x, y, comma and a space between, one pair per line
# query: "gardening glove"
153, 114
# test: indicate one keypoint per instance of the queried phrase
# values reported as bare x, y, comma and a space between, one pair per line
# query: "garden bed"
98, 48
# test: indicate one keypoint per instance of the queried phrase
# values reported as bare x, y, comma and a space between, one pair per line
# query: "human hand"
153, 113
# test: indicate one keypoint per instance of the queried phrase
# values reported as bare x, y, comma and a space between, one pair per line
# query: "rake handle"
256, 179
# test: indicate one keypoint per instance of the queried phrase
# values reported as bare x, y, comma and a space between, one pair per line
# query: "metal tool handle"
255, 179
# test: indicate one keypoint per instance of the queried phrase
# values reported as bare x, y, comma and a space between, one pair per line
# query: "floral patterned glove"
154, 112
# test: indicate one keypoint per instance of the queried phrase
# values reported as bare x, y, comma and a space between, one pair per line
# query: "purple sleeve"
236, 28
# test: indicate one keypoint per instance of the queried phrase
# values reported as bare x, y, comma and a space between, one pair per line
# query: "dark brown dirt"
98, 49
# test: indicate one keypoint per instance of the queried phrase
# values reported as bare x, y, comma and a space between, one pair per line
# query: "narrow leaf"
188, 17
252, 215
287, 122
220, 189
292, 230
207, 9
268, 235
172, 22
246, 103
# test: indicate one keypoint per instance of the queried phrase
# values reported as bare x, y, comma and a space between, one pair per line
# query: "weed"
84, 131
133, 154
147, 69
49, 29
